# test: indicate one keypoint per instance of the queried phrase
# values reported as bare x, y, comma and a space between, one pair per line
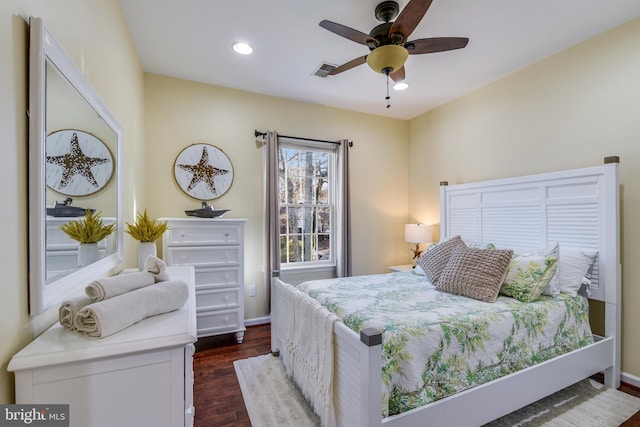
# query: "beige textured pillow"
475, 273
434, 260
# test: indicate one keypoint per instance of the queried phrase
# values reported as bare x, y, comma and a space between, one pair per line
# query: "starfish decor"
203, 172
75, 162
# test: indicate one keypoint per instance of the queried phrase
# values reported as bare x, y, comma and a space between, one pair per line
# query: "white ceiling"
191, 39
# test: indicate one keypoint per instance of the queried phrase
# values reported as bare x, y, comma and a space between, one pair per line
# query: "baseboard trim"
257, 321
630, 379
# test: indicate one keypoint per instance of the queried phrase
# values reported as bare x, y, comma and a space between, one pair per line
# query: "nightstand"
404, 267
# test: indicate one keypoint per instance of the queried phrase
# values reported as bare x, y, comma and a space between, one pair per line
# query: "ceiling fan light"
400, 86
384, 57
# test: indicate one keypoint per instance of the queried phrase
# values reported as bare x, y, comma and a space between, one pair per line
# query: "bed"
576, 208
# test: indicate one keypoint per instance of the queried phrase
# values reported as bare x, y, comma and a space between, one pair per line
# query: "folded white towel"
157, 267
69, 309
107, 317
110, 287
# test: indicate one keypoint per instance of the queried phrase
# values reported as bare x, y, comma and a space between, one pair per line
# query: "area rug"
273, 400
270, 397
587, 403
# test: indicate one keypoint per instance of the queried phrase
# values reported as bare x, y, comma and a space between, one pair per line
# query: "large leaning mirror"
74, 164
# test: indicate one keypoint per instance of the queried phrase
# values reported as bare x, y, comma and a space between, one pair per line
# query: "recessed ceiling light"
243, 48
400, 86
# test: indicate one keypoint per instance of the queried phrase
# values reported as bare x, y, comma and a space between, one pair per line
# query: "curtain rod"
257, 133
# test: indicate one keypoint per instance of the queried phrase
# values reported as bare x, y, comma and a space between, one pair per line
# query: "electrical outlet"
252, 290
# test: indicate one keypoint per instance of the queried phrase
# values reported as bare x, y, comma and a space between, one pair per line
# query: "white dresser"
141, 376
215, 247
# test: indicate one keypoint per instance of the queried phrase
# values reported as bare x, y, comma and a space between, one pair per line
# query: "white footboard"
357, 381
277, 315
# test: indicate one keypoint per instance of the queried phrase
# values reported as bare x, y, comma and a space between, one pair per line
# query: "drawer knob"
226, 320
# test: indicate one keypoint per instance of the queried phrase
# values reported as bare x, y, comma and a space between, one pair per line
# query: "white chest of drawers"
141, 376
215, 247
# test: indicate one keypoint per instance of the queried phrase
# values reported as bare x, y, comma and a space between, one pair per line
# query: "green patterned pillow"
527, 277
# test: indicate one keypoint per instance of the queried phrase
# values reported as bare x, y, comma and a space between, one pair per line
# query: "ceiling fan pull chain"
388, 97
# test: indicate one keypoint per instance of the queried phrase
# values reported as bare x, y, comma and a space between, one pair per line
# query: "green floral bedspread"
436, 344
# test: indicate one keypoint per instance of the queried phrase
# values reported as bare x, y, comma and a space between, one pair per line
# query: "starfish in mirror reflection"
76, 162
203, 172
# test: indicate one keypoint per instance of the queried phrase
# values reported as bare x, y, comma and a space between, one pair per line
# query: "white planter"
145, 249
87, 253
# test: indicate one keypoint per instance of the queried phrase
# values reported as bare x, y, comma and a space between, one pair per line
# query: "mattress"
436, 344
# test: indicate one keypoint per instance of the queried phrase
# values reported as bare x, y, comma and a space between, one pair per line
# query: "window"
306, 184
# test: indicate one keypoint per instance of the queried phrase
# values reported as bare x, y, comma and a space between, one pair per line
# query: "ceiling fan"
388, 42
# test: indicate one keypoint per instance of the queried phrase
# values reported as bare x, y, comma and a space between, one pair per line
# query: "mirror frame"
43, 295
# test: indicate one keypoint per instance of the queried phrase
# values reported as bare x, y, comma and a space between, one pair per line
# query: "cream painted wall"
568, 111
180, 113
95, 35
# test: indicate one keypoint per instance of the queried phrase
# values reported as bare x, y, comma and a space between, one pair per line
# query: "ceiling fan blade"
349, 65
348, 33
398, 76
435, 44
409, 18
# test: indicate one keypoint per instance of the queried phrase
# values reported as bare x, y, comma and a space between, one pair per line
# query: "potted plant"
146, 230
88, 232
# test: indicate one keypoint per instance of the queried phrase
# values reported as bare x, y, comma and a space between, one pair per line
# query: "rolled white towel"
112, 315
69, 309
157, 267
110, 287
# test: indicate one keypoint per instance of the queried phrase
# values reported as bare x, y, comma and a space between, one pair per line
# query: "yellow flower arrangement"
146, 229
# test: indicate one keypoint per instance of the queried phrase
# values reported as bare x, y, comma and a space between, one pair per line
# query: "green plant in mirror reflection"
89, 230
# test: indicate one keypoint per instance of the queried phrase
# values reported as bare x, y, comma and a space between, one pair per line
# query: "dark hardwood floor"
216, 392
217, 395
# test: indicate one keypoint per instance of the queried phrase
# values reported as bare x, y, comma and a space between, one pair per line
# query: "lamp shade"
417, 233
390, 57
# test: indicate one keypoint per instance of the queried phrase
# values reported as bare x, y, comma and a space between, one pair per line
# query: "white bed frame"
577, 208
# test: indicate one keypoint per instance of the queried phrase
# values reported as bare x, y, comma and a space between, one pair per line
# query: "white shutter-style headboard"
576, 208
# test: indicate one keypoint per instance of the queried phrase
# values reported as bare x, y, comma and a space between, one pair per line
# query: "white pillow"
418, 270
574, 265
553, 251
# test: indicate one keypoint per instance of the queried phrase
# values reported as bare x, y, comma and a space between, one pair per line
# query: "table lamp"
417, 233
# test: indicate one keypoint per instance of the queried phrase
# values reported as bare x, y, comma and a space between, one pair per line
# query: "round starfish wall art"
203, 171
78, 163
